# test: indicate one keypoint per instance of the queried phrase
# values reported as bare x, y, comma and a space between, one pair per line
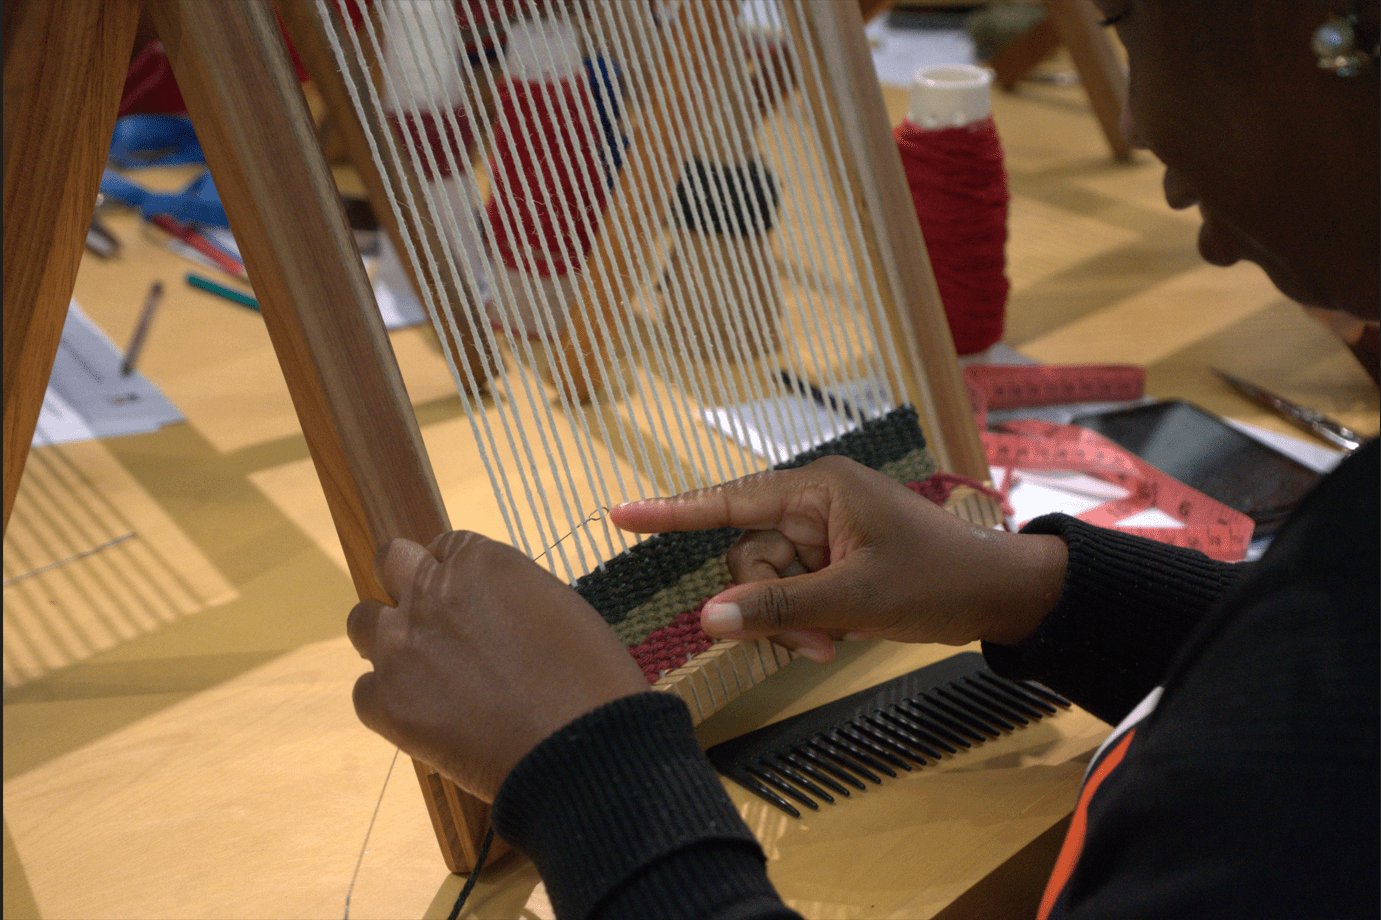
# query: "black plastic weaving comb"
942, 708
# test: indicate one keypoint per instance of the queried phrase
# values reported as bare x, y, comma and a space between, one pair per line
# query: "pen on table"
821, 398
99, 239
231, 294
1311, 419
141, 329
200, 243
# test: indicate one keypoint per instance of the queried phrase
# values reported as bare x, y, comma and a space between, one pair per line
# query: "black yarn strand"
474, 875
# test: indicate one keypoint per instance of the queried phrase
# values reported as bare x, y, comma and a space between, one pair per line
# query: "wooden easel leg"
1099, 69
65, 66
1023, 54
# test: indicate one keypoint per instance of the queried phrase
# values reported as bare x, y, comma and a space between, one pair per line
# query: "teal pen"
244, 300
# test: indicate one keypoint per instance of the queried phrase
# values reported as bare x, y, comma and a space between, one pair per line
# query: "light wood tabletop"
178, 734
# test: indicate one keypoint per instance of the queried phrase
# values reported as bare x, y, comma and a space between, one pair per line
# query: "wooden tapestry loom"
663, 244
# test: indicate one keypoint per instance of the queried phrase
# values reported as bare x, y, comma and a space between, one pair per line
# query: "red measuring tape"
1021, 386
1209, 526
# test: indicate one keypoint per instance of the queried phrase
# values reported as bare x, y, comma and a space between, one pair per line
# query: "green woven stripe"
667, 604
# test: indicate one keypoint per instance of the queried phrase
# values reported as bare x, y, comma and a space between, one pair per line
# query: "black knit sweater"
1250, 790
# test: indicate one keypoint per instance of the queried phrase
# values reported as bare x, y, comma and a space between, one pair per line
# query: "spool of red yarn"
554, 197
549, 178
953, 161
435, 115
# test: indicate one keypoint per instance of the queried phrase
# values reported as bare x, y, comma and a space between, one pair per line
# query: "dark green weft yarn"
746, 191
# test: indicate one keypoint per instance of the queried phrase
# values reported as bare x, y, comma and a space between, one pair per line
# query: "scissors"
1312, 419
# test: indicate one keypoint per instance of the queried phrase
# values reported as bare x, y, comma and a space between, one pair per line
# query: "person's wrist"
1028, 582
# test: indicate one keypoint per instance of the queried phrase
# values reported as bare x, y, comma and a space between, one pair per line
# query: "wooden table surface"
178, 734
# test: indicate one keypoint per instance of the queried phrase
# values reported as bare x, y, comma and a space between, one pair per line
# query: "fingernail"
814, 653
855, 636
721, 619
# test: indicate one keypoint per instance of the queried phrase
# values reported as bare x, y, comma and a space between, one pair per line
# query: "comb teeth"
897, 726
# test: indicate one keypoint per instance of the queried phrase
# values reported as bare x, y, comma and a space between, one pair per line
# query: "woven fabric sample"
652, 593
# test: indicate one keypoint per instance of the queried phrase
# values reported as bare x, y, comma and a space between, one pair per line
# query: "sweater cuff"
1126, 607
603, 804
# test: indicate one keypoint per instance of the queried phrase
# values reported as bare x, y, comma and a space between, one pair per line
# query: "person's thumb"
769, 608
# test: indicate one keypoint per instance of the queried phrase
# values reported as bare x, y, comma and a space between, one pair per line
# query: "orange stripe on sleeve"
1078, 827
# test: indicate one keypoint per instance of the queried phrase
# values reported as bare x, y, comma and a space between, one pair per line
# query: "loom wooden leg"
607, 277
453, 811
740, 322
308, 31
444, 824
581, 377
64, 69
1020, 57
317, 303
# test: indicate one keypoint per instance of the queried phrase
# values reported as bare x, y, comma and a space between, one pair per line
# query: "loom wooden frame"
64, 68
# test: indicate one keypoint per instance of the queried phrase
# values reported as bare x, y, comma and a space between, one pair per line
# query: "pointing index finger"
755, 502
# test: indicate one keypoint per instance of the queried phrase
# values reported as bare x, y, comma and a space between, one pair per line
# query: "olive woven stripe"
692, 590
914, 467
637, 575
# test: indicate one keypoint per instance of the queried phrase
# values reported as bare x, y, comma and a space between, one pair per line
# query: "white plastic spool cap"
543, 50
421, 57
950, 96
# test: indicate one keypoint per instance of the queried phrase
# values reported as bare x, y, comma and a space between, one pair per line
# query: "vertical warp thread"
423, 123
959, 187
542, 218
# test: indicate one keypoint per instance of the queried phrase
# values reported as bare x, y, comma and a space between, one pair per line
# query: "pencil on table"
141, 329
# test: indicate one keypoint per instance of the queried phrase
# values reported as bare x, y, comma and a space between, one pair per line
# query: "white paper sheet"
779, 428
88, 397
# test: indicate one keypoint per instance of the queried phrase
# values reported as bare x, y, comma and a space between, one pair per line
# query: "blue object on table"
198, 203
162, 140
154, 140
606, 88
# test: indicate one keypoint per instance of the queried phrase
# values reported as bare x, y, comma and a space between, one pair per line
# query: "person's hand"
1359, 335
484, 655
875, 559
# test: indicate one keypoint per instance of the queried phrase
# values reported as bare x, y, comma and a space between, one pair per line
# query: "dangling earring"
1336, 43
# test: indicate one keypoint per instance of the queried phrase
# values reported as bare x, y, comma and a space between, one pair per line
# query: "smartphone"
1201, 450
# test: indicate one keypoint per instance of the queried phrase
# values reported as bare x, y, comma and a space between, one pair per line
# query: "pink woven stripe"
672, 645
